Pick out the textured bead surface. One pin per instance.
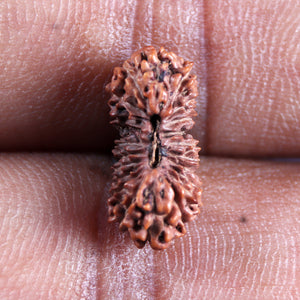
(154, 189)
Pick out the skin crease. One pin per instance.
(55, 242)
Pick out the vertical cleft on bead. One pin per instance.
(155, 149)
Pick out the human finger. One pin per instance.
(56, 242)
(58, 57)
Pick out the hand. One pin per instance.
(55, 242)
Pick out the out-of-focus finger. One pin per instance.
(58, 56)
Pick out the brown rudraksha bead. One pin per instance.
(155, 188)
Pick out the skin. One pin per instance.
(55, 242)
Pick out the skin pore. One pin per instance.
(56, 58)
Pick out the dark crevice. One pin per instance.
(179, 228)
(155, 121)
(155, 149)
(162, 76)
(144, 56)
(161, 237)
